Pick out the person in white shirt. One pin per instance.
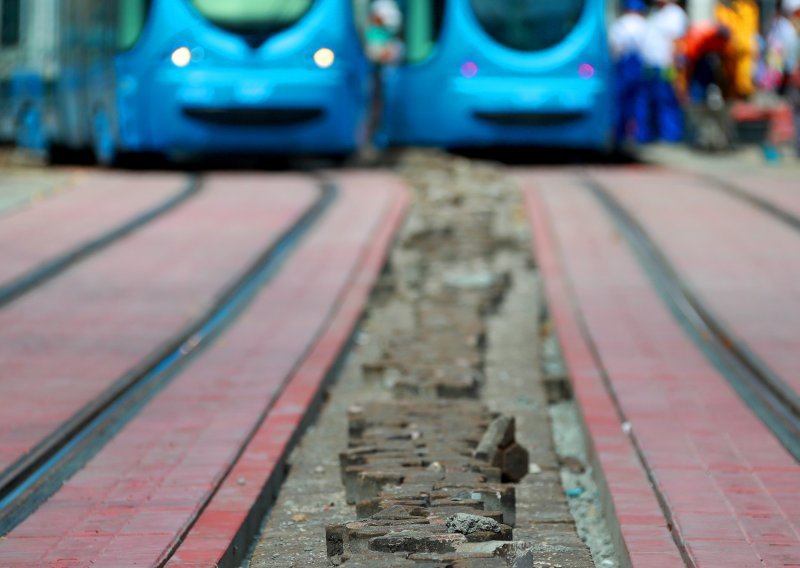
(626, 37)
(662, 118)
(782, 50)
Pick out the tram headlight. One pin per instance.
(181, 57)
(324, 58)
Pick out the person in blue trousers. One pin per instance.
(626, 37)
(660, 116)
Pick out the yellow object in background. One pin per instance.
(741, 18)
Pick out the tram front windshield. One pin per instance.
(253, 16)
(528, 25)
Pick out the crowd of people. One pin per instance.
(665, 65)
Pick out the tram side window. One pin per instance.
(423, 26)
(361, 14)
(10, 23)
(131, 20)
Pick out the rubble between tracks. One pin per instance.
(420, 485)
(433, 471)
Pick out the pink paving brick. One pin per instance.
(741, 262)
(95, 205)
(713, 463)
(156, 476)
(69, 340)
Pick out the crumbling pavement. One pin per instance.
(428, 475)
(432, 473)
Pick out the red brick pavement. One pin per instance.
(97, 204)
(262, 463)
(69, 340)
(730, 490)
(742, 263)
(132, 503)
(644, 533)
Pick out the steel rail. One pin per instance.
(25, 485)
(770, 398)
(729, 188)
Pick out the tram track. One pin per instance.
(789, 219)
(34, 478)
(50, 269)
(772, 400)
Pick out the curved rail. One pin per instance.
(785, 217)
(33, 479)
(774, 402)
(45, 272)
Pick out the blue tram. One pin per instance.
(184, 77)
(502, 72)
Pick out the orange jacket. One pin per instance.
(702, 39)
(741, 18)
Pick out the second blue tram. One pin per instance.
(502, 72)
(183, 77)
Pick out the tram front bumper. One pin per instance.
(254, 115)
(507, 111)
(228, 111)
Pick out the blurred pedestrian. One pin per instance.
(707, 62)
(626, 37)
(706, 66)
(782, 50)
(791, 9)
(741, 17)
(384, 45)
(661, 116)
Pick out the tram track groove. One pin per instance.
(39, 474)
(767, 395)
(50, 269)
(765, 205)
